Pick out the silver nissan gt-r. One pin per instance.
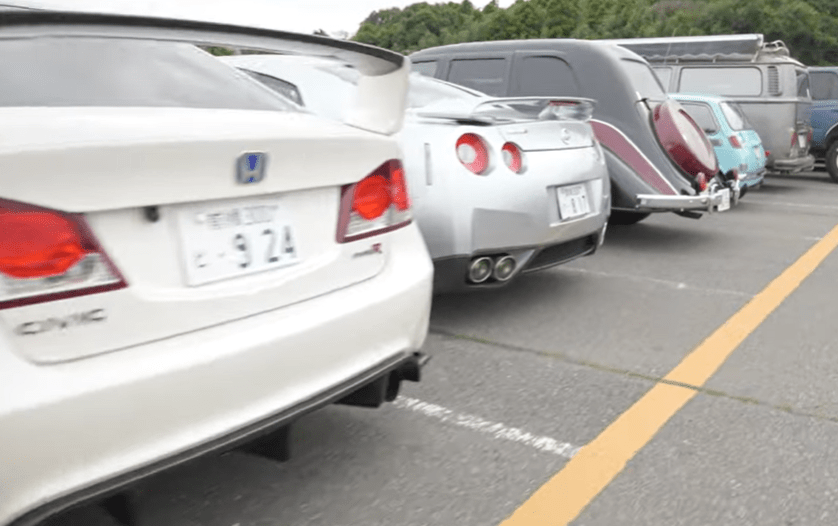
(500, 186)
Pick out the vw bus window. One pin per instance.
(486, 74)
(722, 81)
(546, 77)
(824, 85)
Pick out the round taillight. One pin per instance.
(372, 197)
(472, 152)
(683, 140)
(512, 157)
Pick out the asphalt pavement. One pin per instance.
(523, 377)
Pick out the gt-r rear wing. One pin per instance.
(380, 99)
(504, 109)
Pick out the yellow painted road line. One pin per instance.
(563, 497)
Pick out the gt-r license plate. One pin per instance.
(573, 201)
(725, 204)
(229, 239)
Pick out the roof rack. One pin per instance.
(713, 48)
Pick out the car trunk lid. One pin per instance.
(159, 190)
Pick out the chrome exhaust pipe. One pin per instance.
(504, 268)
(480, 269)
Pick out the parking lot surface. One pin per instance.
(522, 379)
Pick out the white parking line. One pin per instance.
(497, 430)
(674, 284)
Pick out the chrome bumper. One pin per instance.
(799, 164)
(753, 178)
(707, 201)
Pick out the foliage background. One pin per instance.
(808, 27)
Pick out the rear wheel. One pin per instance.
(832, 161)
(620, 217)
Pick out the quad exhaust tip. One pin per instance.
(504, 268)
(480, 269)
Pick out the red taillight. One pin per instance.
(734, 141)
(37, 244)
(513, 157)
(378, 203)
(767, 153)
(684, 140)
(371, 197)
(398, 187)
(701, 179)
(809, 136)
(472, 152)
(46, 255)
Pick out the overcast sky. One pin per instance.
(304, 16)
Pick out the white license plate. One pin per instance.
(801, 141)
(757, 152)
(573, 201)
(235, 238)
(725, 204)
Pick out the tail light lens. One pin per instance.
(683, 140)
(513, 157)
(701, 180)
(47, 255)
(377, 204)
(473, 153)
(734, 141)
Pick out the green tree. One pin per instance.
(808, 27)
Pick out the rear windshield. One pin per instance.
(702, 115)
(730, 81)
(424, 91)
(644, 80)
(734, 115)
(122, 73)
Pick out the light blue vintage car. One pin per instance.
(734, 140)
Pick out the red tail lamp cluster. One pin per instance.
(473, 153)
(377, 204)
(47, 255)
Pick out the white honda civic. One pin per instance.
(188, 262)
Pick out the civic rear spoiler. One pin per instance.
(380, 100)
(513, 109)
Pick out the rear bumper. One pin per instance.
(450, 274)
(800, 164)
(126, 415)
(708, 201)
(752, 179)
